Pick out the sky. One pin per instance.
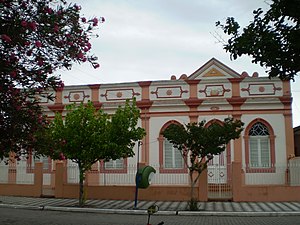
(145, 40)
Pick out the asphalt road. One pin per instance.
(9, 216)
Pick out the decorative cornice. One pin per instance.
(286, 100)
(193, 102)
(144, 104)
(56, 108)
(193, 81)
(97, 105)
(236, 101)
(94, 86)
(236, 80)
(145, 83)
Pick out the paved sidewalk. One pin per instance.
(166, 208)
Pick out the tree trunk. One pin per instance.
(192, 185)
(193, 205)
(81, 191)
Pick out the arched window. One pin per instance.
(260, 148)
(259, 142)
(170, 158)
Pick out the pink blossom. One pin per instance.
(38, 44)
(28, 53)
(13, 74)
(5, 38)
(24, 5)
(24, 23)
(26, 43)
(80, 55)
(13, 57)
(32, 25)
(48, 10)
(56, 28)
(83, 19)
(96, 65)
(40, 62)
(102, 19)
(77, 7)
(62, 157)
(40, 119)
(50, 70)
(95, 22)
(60, 85)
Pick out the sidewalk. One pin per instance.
(165, 208)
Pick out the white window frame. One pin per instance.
(114, 164)
(173, 157)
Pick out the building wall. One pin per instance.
(214, 91)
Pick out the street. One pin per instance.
(9, 216)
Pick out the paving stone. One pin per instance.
(236, 207)
(246, 207)
(292, 206)
(265, 207)
(209, 206)
(282, 206)
(227, 207)
(163, 206)
(273, 206)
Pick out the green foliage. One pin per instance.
(86, 136)
(271, 39)
(199, 143)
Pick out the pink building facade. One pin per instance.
(259, 166)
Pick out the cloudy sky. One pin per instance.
(154, 39)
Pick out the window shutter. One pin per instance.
(265, 152)
(172, 156)
(178, 158)
(254, 161)
(168, 156)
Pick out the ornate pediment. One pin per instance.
(213, 69)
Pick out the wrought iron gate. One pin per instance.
(219, 177)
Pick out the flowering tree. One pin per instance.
(86, 136)
(37, 37)
(198, 144)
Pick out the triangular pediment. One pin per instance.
(213, 69)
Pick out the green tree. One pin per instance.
(271, 39)
(198, 144)
(37, 38)
(86, 136)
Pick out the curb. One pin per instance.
(95, 210)
(144, 212)
(21, 206)
(239, 214)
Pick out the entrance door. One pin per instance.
(48, 176)
(219, 178)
